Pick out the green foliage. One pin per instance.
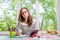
(49, 17)
(13, 4)
(8, 20)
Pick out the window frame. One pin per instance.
(57, 15)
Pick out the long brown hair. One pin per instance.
(21, 18)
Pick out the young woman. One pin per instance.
(26, 23)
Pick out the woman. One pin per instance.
(26, 23)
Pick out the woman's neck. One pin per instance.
(25, 20)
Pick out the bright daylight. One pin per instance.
(30, 18)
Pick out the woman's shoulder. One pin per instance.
(17, 22)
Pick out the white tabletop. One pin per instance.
(53, 37)
(42, 37)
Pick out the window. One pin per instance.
(8, 14)
(49, 16)
(47, 13)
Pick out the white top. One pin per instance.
(27, 30)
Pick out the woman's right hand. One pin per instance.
(18, 34)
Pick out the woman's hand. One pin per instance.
(18, 34)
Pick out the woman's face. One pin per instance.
(25, 13)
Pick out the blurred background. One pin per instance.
(47, 12)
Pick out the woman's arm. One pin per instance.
(18, 29)
(36, 25)
(36, 29)
(34, 33)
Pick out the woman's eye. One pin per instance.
(25, 12)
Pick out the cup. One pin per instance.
(11, 33)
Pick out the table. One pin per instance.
(42, 37)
